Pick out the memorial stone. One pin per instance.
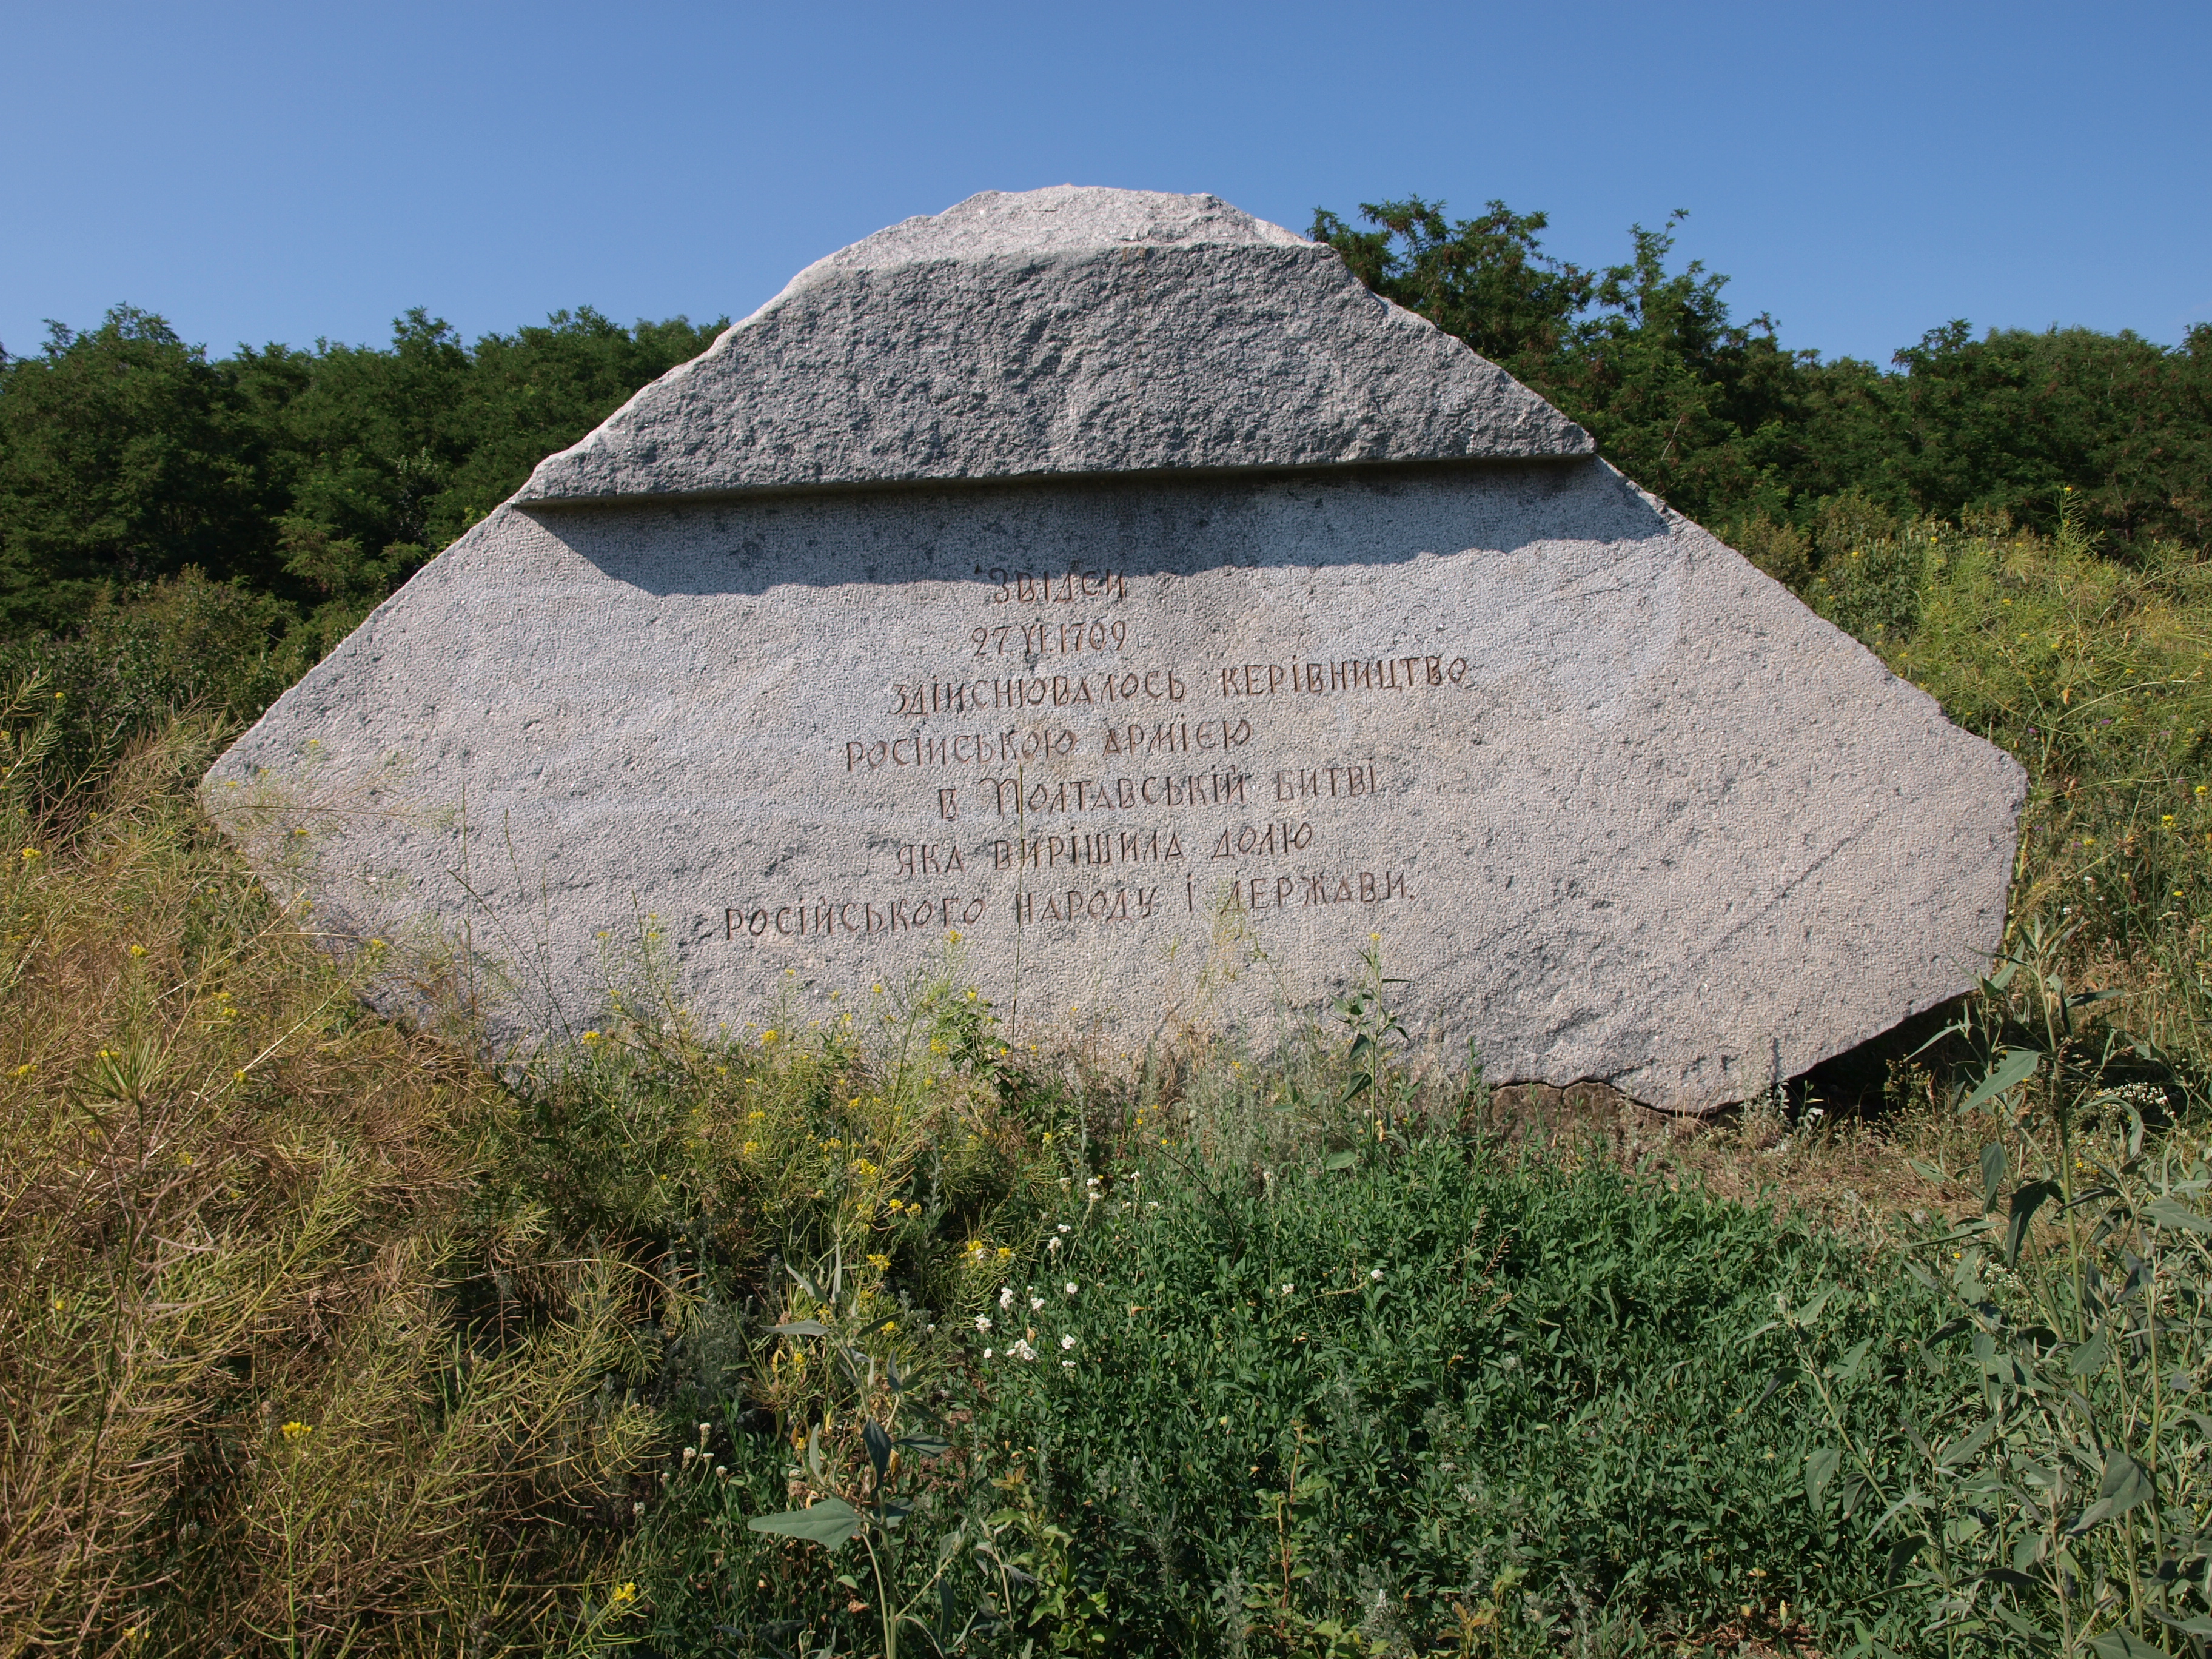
(1106, 587)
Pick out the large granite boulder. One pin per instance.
(1107, 586)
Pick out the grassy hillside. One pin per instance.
(315, 1338)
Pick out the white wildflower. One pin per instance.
(1374, 1275)
(1006, 1297)
(1066, 1343)
(1065, 1228)
(982, 1321)
(1021, 1351)
(1069, 1287)
(1052, 1245)
(1289, 1289)
(1036, 1302)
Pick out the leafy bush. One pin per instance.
(2048, 1493)
(1419, 1389)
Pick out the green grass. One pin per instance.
(1376, 1401)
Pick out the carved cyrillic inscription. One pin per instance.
(1271, 679)
(919, 698)
(1031, 640)
(960, 748)
(1305, 888)
(1097, 904)
(1281, 836)
(1067, 587)
(1325, 782)
(1177, 737)
(1114, 795)
(1097, 848)
(820, 918)
(1017, 776)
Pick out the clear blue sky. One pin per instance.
(1863, 171)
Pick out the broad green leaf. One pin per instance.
(2119, 1643)
(1339, 1160)
(2089, 1518)
(879, 1448)
(1994, 1171)
(1959, 1450)
(2090, 1357)
(803, 1327)
(925, 1445)
(1811, 1311)
(828, 1522)
(2126, 1483)
(1900, 1556)
(2027, 1199)
(1914, 1499)
(2016, 1067)
(2166, 1213)
(1819, 1469)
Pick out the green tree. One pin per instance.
(390, 455)
(1486, 280)
(1727, 425)
(2007, 421)
(124, 456)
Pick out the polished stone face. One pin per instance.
(1152, 749)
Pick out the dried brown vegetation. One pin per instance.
(255, 1392)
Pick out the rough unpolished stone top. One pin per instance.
(1059, 332)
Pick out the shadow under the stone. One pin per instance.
(1051, 530)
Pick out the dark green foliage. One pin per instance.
(1361, 1395)
(1486, 280)
(390, 455)
(124, 456)
(1440, 1383)
(321, 477)
(187, 643)
(1722, 421)
(2006, 422)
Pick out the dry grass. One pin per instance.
(252, 1400)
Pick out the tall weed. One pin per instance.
(245, 1406)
